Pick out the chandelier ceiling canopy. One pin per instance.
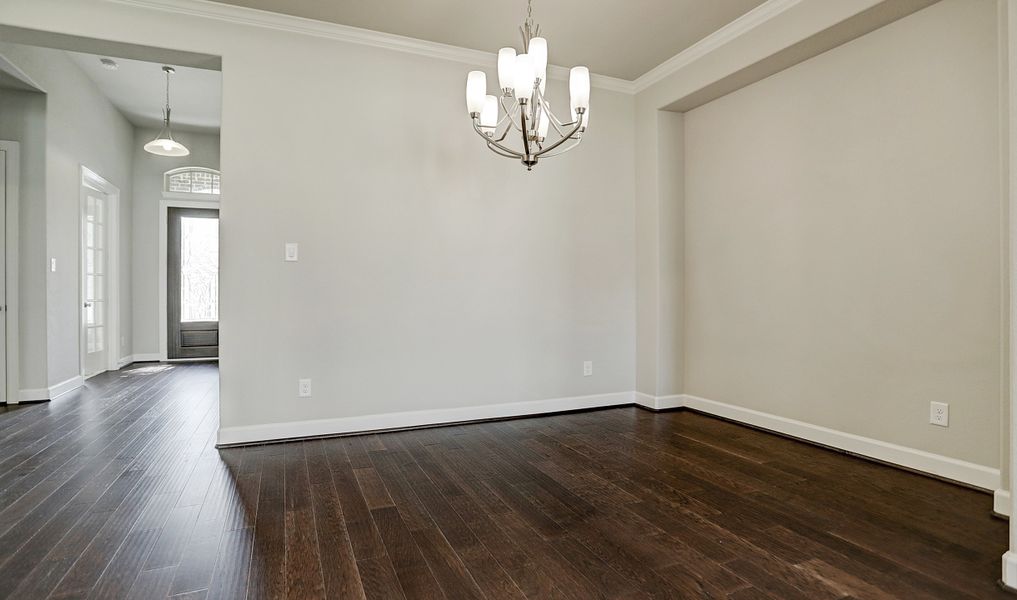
(520, 109)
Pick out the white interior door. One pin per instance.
(95, 331)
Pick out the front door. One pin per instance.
(94, 212)
(192, 283)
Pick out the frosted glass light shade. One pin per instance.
(524, 76)
(476, 91)
(579, 87)
(489, 116)
(542, 124)
(507, 68)
(538, 50)
(165, 145)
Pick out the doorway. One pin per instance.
(99, 311)
(192, 283)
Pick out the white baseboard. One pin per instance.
(346, 425)
(659, 402)
(1001, 502)
(973, 474)
(32, 395)
(55, 391)
(1010, 570)
(52, 392)
(133, 358)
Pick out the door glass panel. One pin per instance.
(199, 269)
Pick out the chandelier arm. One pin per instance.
(494, 149)
(491, 142)
(567, 148)
(575, 130)
(510, 114)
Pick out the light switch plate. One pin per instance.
(588, 368)
(52, 265)
(292, 252)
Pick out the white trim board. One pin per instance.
(737, 28)
(52, 392)
(136, 358)
(1010, 571)
(355, 35)
(361, 424)
(980, 476)
(1001, 502)
(941, 466)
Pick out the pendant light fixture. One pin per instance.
(164, 144)
(524, 111)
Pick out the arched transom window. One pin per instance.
(192, 181)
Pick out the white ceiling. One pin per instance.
(138, 90)
(619, 38)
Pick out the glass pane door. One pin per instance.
(94, 281)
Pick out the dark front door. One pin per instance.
(192, 283)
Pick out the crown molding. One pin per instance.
(726, 34)
(291, 24)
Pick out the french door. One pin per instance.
(192, 283)
(94, 281)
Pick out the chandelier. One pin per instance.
(522, 110)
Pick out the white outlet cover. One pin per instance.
(304, 388)
(588, 368)
(939, 414)
(292, 252)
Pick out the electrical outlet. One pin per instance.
(588, 368)
(939, 414)
(304, 388)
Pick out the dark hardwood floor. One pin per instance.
(118, 492)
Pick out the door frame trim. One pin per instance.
(164, 205)
(92, 180)
(12, 229)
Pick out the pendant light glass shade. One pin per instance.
(476, 91)
(489, 116)
(538, 50)
(507, 68)
(164, 144)
(524, 77)
(579, 87)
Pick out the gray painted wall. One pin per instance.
(843, 237)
